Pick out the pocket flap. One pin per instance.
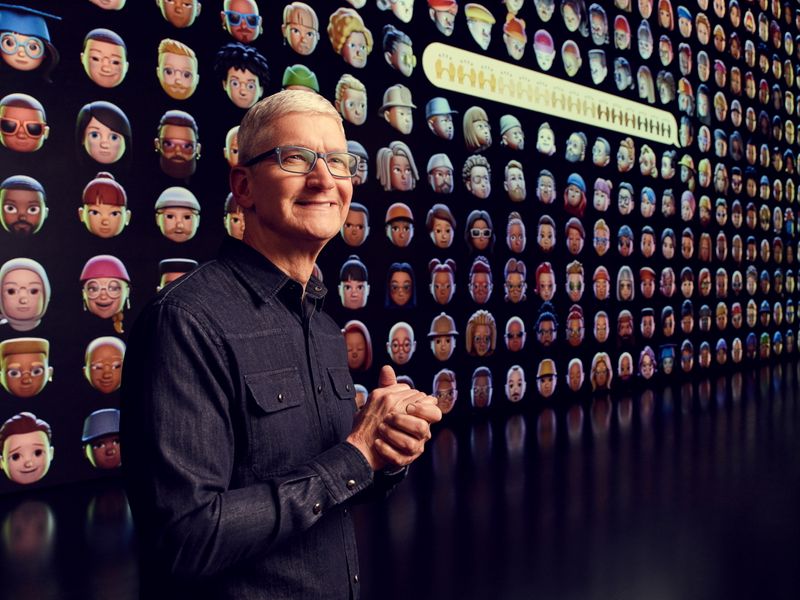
(342, 383)
(275, 390)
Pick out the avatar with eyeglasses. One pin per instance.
(243, 73)
(481, 389)
(25, 40)
(575, 327)
(24, 366)
(479, 231)
(177, 69)
(401, 344)
(481, 334)
(515, 334)
(241, 20)
(515, 274)
(601, 373)
(445, 390)
(177, 144)
(105, 57)
(23, 124)
(106, 288)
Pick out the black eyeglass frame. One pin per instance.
(277, 150)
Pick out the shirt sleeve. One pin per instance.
(180, 439)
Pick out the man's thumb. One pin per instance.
(386, 376)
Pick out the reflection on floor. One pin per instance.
(688, 492)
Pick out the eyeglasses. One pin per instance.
(234, 18)
(18, 373)
(10, 126)
(301, 161)
(444, 394)
(169, 72)
(93, 289)
(405, 346)
(397, 287)
(9, 43)
(484, 233)
(480, 338)
(185, 146)
(515, 335)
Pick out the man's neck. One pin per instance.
(294, 258)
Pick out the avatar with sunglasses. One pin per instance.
(23, 124)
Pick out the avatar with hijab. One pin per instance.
(24, 294)
(23, 205)
(25, 39)
(350, 37)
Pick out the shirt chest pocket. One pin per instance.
(278, 427)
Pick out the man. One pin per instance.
(514, 181)
(24, 209)
(477, 176)
(25, 442)
(243, 73)
(356, 225)
(177, 69)
(439, 116)
(445, 390)
(177, 214)
(24, 123)
(440, 173)
(181, 13)
(104, 57)
(236, 379)
(177, 144)
(442, 336)
(398, 51)
(24, 366)
(443, 14)
(396, 108)
(515, 383)
(241, 20)
(101, 439)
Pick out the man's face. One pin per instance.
(104, 368)
(104, 220)
(601, 240)
(575, 286)
(401, 346)
(297, 209)
(515, 336)
(445, 394)
(402, 58)
(241, 20)
(546, 332)
(481, 391)
(624, 327)
(105, 63)
(574, 331)
(23, 210)
(178, 223)
(514, 46)
(544, 57)
(26, 456)
(481, 32)
(243, 87)
(441, 180)
(545, 141)
(546, 383)
(480, 287)
(515, 184)
(445, 21)
(442, 287)
(648, 287)
(478, 182)
(23, 295)
(575, 377)
(401, 232)
(105, 452)
(442, 233)
(601, 288)
(600, 154)
(25, 374)
(515, 287)
(515, 385)
(22, 129)
(400, 118)
(601, 328)
(180, 13)
(177, 74)
(514, 138)
(574, 241)
(178, 146)
(354, 230)
(648, 326)
(443, 346)
(442, 125)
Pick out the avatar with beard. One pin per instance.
(177, 144)
(24, 207)
(177, 69)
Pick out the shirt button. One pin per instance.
(351, 484)
(317, 288)
(347, 387)
(319, 389)
(280, 397)
(355, 578)
(317, 508)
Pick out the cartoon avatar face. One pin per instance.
(481, 32)
(479, 183)
(25, 374)
(481, 340)
(401, 344)
(514, 138)
(177, 71)
(400, 232)
(356, 349)
(241, 19)
(180, 13)
(22, 128)
(515, 336)
(355, 228)
(24, 211)
(515, 384)
(401, 175)
(109, 4)
(21, 52)
(545, 142)
(442, 286)
(243, 87)
(515, 238)
(26, 456)
(353, 105)
(353, 293)
(443, 346)
(105, 62)
(546, 286)
(354, 52)
(402, 9)
(178, 223)
(104, 220)
(545, 237)
(575, 376)
(442, 125)
(300, 28)
(445, 20)
(400, 288)
(480, 234)
(103, 367)
(104, 296)
(441, 232)
(514, 184)
(23, 296)
(441, 180)
(105, 452)
(546, 382)
(402, 58)
(400, 118)
(102, 143)
(179, 150)
(601, 327)
(231, 150)
(480, 287)
(234, 224)
(446, 394)
(481, 391)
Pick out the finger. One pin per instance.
(410, 425)
(390, 456)
(431, 413)
(404, 443)
(387, 376)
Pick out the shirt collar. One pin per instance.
(261, 276)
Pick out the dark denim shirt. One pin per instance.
(236, 403)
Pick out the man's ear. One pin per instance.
(240, 187)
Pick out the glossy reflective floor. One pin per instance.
(685, 492)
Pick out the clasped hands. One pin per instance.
(393, 426)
